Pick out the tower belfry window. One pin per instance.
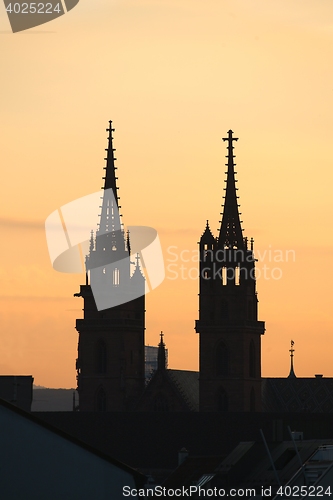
(224, 275)
(116, 277)
(237, 275)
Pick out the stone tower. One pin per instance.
(110, 363)
(230, 333)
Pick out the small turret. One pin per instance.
(161, 357)
(207, 237)
(292, 350)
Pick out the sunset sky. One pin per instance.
(174, 76)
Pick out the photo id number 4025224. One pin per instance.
(303, 491)
(33, 8)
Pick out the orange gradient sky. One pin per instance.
(173, 76)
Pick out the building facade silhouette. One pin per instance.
(110, 363)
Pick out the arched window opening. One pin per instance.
(237, 275)
(101, 357)
(101, 400)
(252, 400)
(222, 360)
(224, 276)
(222, 400)
(161, 403)
(252, 360)
(116, 277)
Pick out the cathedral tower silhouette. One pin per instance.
(110, 363)
(230, 333)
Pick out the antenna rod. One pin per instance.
(270, 458)
(298, 456)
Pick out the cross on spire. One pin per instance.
(230, 139)
(161, 357)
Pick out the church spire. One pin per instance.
(110, 168)
(110, 227)
(292, 350)
(110, 218)
(230, 232)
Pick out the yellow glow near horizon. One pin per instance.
(173, 76)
